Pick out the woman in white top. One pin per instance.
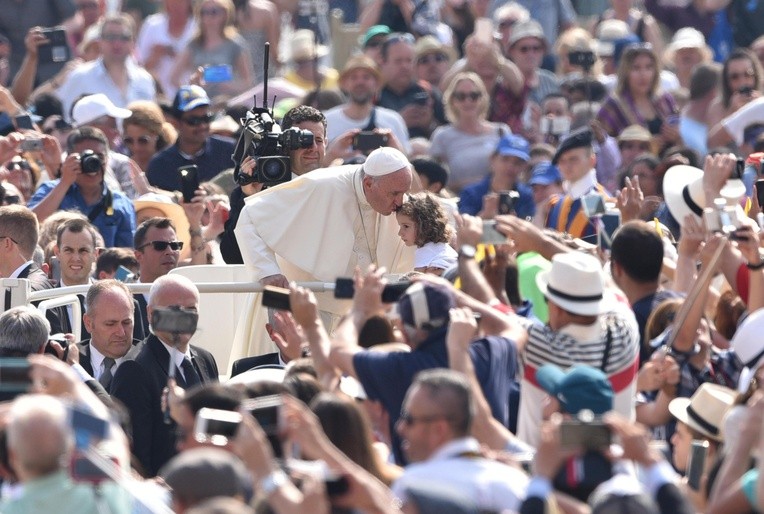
(466, 144)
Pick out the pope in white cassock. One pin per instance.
(323, 224)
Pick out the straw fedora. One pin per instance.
(170, 210)
(683, 191)
(575, 283)
(303, 46)
(705, 411)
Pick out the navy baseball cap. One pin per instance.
(190, 97)
(513, 145)
(544, 173)
(581, 387)
(426, 306)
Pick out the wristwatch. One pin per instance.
(467, 251)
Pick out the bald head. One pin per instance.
(173, 291)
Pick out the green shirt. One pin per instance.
(529, 265)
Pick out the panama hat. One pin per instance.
(705, 411)
(576, 283)
(683, 191)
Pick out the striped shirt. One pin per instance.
(619, 111)
(580, 344)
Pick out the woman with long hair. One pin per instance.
(217, 43)
(742, 77)
(145, 132)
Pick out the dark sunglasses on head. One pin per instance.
(161, 246)
(142, 140)
(195, 121)
(472, 95)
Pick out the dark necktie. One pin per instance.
(106, 376)
(189, 373)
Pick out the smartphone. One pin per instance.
(216, 426)
(87, 428)
(491, 235)
(23, 121)
(83, 470)
(57, 48)
(14, 375)
(174, 320)
(484, 30)
(593, 205)
(611, 220)
(276, 298)
(696, 463)
(55, 269)
(268, 411)
(345, 288)
(336, 485)
(556, 126)
(369, 140)
(747, 90)
(124, 275)
(189, 181)
(31, 145)
(218, 73)
(6, 124)
(508, 201)
(592, 435)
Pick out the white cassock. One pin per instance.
(315, 228)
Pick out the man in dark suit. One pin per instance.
(138, 383)
(284, 332)
(109, 321)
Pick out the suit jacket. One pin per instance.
(247, 363)
(84, 348)
(138, 383)
(141, 327)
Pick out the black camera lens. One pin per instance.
(90, 163)
(273, 170)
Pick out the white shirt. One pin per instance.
(69, 307)
(91, 77)
(492, 485)
(96, 362)
(155, 32)
(337, 123)
(21, 268)
(177, 357)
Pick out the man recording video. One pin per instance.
(302, 161)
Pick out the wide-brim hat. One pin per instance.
(635, 133)
(705, 411)
(749, 345)
(431, 45)
(687, 37)
(303, 46)
(524, 29)
(608, 32)
(170, 210)
(683, 192)
(361, 62)
(576, 283)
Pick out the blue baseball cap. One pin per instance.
(582, 387)
(190, 97)
(544, 173)
(513, 145)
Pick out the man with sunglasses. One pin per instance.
(81, 187)
(191, 116)
(114, 74)
(433, 59)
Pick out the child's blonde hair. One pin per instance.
(430, 219)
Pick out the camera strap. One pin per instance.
(606, 352)
(107, 202)
(372, 121)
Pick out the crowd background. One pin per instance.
(586, 172)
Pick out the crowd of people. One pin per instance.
(543, 219)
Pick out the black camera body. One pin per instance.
(263, 140)
(91, 163)
(583, 58)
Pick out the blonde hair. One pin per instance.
(574, 39)
(477, 82)
(228, 30)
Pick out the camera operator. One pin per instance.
(81, 187)
(302, 161)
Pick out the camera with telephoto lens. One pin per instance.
(583, 58)
(90, 162)
(722, 218)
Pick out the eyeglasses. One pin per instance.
(409, 420)
(211, 12)
(427, 59)
(142, 140)
(161, 246)
(9, 237)
(195, 121)
(460, 96)
(117, 37)
(530, 48)
(745, 74)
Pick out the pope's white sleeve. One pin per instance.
(258, 257)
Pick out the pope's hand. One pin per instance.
(275, 280)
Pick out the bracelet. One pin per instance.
(755, 267)
(272, 482)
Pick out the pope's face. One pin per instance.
(385, 194)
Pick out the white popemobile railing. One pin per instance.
(224, 328)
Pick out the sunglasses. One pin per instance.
(117, 37)
(409, 420)
(195, 121)
(161, 246)
(427, 59)
(472, 95)
(142, 140)
(211, 12)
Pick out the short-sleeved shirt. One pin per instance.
(391, 100)
(227, 52)
(214, 158)
(642, 309)
(471, 199)
(117, 227)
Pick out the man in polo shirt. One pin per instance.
(508, 162)
(195, 145)
(82, 187)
